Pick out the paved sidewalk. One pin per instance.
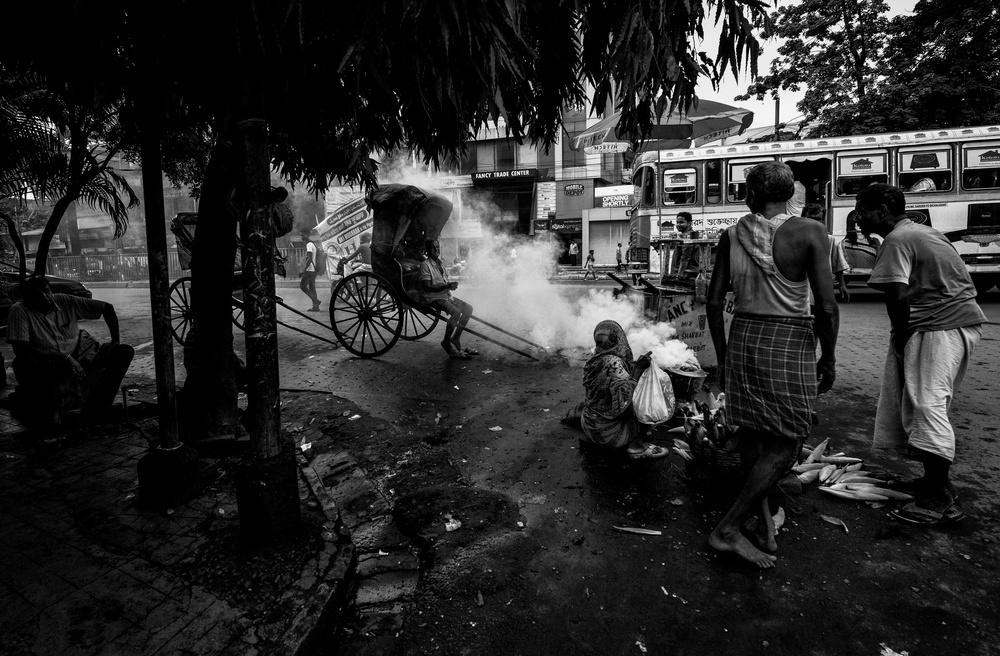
(88, 571)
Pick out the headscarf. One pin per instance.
(607, 376)
(756, 235)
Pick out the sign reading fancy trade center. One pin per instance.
(504, 176)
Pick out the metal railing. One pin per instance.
(125, 266)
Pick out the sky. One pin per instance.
(763, 110)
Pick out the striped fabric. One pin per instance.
(771, 374)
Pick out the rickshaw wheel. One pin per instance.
(180, 309)
(417, 325)
(365, 315)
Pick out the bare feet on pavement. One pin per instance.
(740, 546)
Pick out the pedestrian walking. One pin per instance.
(768, 369)
(936, 324)
(590, 266)
(309, 272)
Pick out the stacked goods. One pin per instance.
(711, 442)
(843, 476)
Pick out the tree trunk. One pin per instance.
(209, 400)
(42, 252)
(72, 231)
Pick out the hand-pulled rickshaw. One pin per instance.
(369, 310)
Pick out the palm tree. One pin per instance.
(58, 149)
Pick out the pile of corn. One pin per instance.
(843, 476)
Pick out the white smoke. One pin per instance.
(507, 283)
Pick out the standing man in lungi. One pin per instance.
(768, 368)
(936, 324)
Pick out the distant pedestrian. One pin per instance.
(838, 263)
(363, 254)
(590, 266)
(574, 252)
(618, 259)
(308, 282)
(936, 324)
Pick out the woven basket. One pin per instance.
(718, 461)
(715, 460)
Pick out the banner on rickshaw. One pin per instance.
(345, 223)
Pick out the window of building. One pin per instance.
(505, 154)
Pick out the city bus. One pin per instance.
(951, 179)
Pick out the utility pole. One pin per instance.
(777, 112)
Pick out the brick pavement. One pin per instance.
(88, 571)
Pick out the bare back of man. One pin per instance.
(798, 250)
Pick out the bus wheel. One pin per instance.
(985, 282)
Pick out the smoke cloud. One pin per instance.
(506, 280)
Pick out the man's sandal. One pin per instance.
(911, 513)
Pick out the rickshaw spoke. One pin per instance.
(355, 322)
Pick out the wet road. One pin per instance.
(565, 581)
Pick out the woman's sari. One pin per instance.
(607, 417)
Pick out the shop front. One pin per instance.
(606, 224)
(573, 197)
(511, 196)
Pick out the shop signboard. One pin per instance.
(486, 177)
(541, 225)
(690, 318)
(574, 189)
(470, 229)
(566, 225)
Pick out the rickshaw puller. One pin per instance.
(435, 291)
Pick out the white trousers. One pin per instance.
(917, 391)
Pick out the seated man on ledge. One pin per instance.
(435, 291)
(59, 367)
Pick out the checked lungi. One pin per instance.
(771, 374)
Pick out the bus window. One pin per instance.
(925, 170)
(855, 171)
(981, 166)
(679, 186)
(645, 181)
(981, 179)
(737, 192)
(713, 181)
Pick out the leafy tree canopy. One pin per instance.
(345, 80)
(862, 73)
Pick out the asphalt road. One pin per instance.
(552, 574)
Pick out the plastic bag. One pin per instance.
(653, 398)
